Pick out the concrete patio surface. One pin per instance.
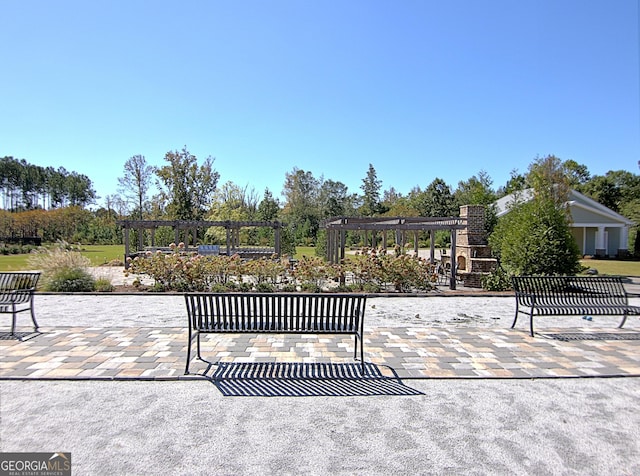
(449, 389)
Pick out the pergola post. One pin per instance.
(126, 246)
(331, 246)
(454, 264)
(276, 239)
(399, 240)
(140, 239)
(432, 245)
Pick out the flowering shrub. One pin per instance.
(374, 270)
(369, 270)
(266, 271)
(223, 270)
(311, 272)
(366, 269)
(407, 273)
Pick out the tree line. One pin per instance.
(28, 187)
(187, 188)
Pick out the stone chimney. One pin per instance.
(473, 255)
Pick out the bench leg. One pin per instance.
(624, 319)
(198, 349)
(189, 342)
(14, 317)
(360, 340)
(515, 319)
(531, 323)
(33, 318)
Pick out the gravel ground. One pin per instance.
(462, 427)
(442, 308)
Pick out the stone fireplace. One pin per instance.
(473, 255)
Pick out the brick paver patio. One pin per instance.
(404, 352)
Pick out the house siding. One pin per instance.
(580, 215)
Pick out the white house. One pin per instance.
(598, 230)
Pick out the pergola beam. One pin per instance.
(191, 227)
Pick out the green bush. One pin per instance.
(16, 249)
(310, 288)
(103, 285)
(71, 280)
(497, 280)
(534, 238)
(265, 288)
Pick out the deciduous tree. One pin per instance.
(186, 186)
(136, 181)
(301, 191)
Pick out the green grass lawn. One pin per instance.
(304, 251)
(613, 267)
(101, 254)
(97, 254)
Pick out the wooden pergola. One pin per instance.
(371, 227)
(190, 228)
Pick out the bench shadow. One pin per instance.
(19, 336)
(576, 336)
(288, 379)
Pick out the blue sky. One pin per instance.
(421, 89)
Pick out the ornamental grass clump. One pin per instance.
(62, 270)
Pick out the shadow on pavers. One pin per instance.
(598, 336)
(286, 379)
(21, 336)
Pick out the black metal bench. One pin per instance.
(571, 296)
(277, 313)
(207, 250)
(16, 295)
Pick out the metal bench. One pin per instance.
(571, 296)
(209, 250)
(16, 295)
(277, 313)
